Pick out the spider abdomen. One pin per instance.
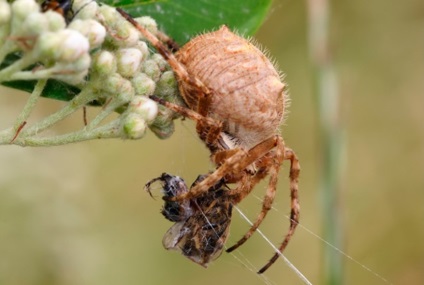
(248, 93)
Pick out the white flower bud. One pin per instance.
(73, 45)
(55, 21)
(142, 46)
(129, 61)
(34, 24)
(73, 79)
(48, 46)
(5, 12)
(104, 62)
(91, 29)
(125, 34)
(22, 8)
(64, 45)
(149, 23)
(143, 84)
(109, 13)
(133, 126)
(145, 107)
(85, 9)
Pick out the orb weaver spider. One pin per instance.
(237, 99)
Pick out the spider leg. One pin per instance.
(184, 79)
(273, 169)
(295, 208)
(194, 92)
(234, 164)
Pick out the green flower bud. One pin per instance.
(143, 84)
(133, 126)
(104, 62)
(48, 46)
(118, 87)
(161, 62)
(162, 126)
(167, 86)
(151, 68)
(55, 21)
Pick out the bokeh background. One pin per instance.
(77, 214)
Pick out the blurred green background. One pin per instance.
(77, 214)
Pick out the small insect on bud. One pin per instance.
(104, 62)
(133, 126)
(129, 61)
(143, 84)
(91, 29)
(145, 107)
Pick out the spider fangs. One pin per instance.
(237, 99)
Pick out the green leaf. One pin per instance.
(183, 19)
(54, 89)
(180, 19)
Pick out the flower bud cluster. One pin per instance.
(97, 51)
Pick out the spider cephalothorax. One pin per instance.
(237, 99)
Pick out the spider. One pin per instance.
(202, 224)
(237, 99)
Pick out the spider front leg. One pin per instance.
(238, 160)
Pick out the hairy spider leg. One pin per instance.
(191, 84)
(295, 207)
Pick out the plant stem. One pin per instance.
(30, 104)
(20, 64)
(110, 130)
(78, 102)
(331, 136)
